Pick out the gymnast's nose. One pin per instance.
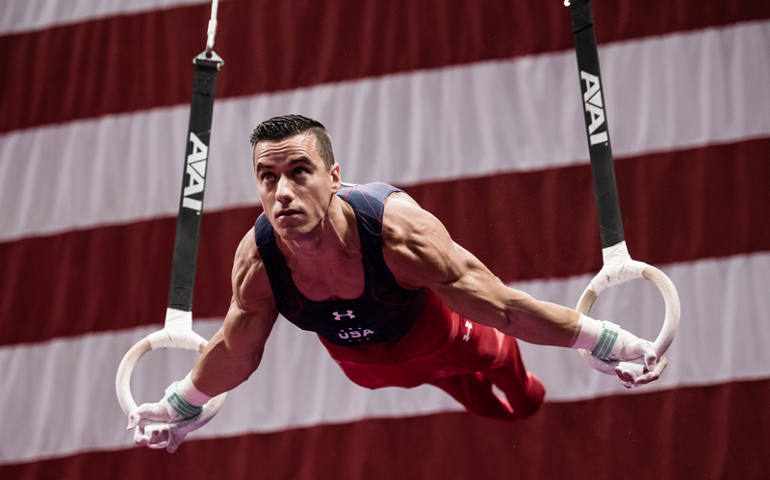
(283, 191)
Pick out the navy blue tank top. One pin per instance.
(383, 312)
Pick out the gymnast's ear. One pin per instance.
(335, 175)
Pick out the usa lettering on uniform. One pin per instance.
(355, 333)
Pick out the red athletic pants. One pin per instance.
(460, 356)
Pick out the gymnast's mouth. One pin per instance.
(287, 212)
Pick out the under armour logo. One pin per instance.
(467, 336)
(349, 314)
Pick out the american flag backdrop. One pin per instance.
(472, 106)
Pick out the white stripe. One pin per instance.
(23, 15)
(674, 92)
(58, 397)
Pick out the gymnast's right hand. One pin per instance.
(164, 424)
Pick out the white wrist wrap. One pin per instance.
(590, 331)
(191, 395)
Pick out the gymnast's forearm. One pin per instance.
(235, 351)
(221, 368)
(547, 323)
(540, 322)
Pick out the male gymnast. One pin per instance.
(395, 301)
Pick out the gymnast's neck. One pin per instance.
(333, 239)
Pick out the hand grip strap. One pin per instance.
(596, 124)
(188, 222)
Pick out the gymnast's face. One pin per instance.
(295, 185)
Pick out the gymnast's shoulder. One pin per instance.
(250, 282)
(416, 246)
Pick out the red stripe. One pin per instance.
(705, 432)
(677, 206)
(132, 62)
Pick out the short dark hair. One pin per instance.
(280, 128)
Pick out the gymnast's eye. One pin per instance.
(267, 176)
(300, 171)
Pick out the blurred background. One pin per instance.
(474, 107)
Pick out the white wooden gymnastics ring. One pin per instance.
(622, 270)
(178, 338)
